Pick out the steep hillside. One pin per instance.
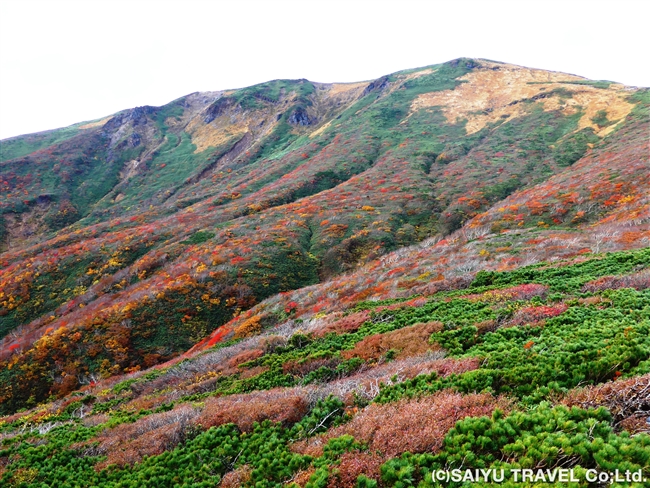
(129, 240)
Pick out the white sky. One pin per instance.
(69, 61)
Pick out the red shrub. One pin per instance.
(529, 315)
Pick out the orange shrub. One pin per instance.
(249, 327)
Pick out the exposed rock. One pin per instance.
(376, 86)
(300, 117)
(137, 116)
(43, 199)
(135, 140)
(218, 108)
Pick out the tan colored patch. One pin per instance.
(333, 98)
(417, 74)
(345, 87)
(205, 136)
(492, 95)
(320, 130)
(97, 123)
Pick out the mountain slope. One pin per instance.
(130, 239)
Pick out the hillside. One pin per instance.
(503, 372)
(246, 284)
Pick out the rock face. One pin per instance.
(216, 109)
(136, 116)
(376, 86)
(300, 117)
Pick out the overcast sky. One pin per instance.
(63, 62)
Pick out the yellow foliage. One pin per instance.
(249, 327)
(626, 199)
(114, 261)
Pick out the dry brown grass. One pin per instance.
(489, 95)
(220, 132)
(96, 419)
(410, 425)
(245, 356)
(638, 281)
(354, 464)
(339, 88)
(148, 436)
(365, 383)
(346, 324)
(407, 341)
(283, 406)
(254, 371)
(301, 478)
(97, 123)
(236, 478)
(628, 400)
(303, 368)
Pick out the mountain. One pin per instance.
(261, 277)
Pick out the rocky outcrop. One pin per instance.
(300, 117)
(136, 116)
(376, 86)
